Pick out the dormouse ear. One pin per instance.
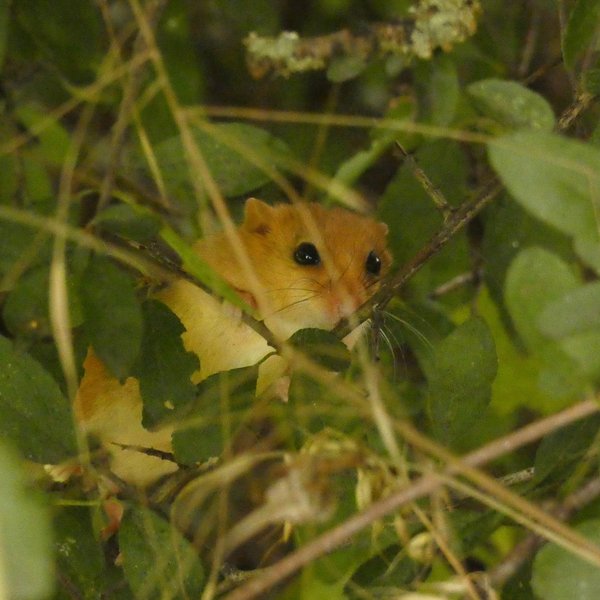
(258, 216)
(383, 228)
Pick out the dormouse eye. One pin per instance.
(373, 264)
(307, 254)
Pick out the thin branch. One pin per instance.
(581, 103)
(531, 40)
(431, 24)
(443, 206)
(54, 115)
(337, 120)
(58, 295)
(455, 283)
(523, 551)
(202, 179)
(503, 500)
(136, 77)
(519, 477)
(463, 215)
(339, 535)
(156, 269)
(563, 20)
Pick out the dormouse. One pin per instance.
(299, 265)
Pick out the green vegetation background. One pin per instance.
(515, 336)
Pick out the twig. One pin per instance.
(67, 585)
(459, 218)
(445, 208)
(523, 551)
(154, 268)
(432, 24)
(339, 535)
(519, 477)
(336, 120)
(541, 71)
(582, 101)
(154, 10)
(563, 20)
(454, 284)
(54, 115)
(168, 456)
(204, 184)
(509, 480)
(175, 270)
(531, 39)
(58, 293)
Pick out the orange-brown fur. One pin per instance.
(289, 296)
(313, 296)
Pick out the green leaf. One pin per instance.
(238, 156)
(164, 366)
(444, 90)
(310, 586)
(508, 229)
(158, 561)
(79, 556)
(460, 384)
(404, 201)
(552, 177)
(581, 27)
(4, 19)
(176, 40)
(323, 347)
(314, 406)
(534, 280)
(390, 568)
(16, 241)
(574, 320)
(472, 527)
(222, 402)
(511, 104)
(559, 452)
(56, 27)
(591, 78)
(9, 175)
(589, 252)
(560, 575)
(575, 312)
(25, 311)
(438, 89)
(26, 535)
(53, 142)
(113, 318)
(197, 267)
(351, 169)
(345, 67)
(517, 383)
(131, 222)
(584, 349)
(34, 415)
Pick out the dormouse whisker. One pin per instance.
(295, 303)
(289, 289)
(388, 343)
(411, 328)
(309, 280)
(347, 266)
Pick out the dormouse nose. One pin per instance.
(346, 297)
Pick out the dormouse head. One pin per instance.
(316, 265)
